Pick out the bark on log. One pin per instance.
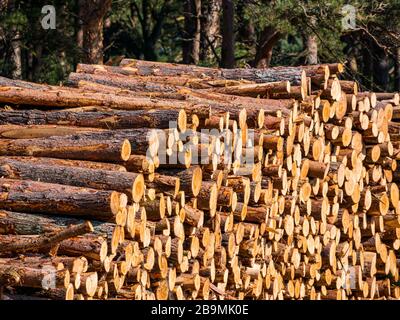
(19, 223)
(33, 278)
(67, 163)
(292, 74)
(107, 120)
(15, 244)
(40, 197)
(13, 131)
(131, 183)
(68, 147)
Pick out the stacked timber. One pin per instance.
(164, 181)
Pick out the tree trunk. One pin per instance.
(269, 38)
(191, 45)
(92, 15)
(16, 55)
(381, 70)
(211, 28)
(79, 24)
(397, 70)
(246, 32)
(228, 38)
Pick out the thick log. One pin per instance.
(255, 90)
(40, 197)
(293, 74)
(67, 163)
(6, 82)
(119, 81)
(129, 182)
(19, 223)
(68, 148)
(14, 131)
(91, 247)
(73, 98)
(42, 278)
(107, 120)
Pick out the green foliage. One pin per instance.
(153, 29)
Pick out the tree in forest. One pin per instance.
(191, 41)
(269, 38)
(228, 35)
(397, 70)
(210, 38)
(92, 14)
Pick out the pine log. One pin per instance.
(34, 278)
(14, 131)
(40, 197)
(68, 148)
(292, 74)
(91, 247)
(255, 90)
(67, 163)
(107, 120)
(131, 183)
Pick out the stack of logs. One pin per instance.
(163, 181)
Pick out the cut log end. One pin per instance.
(138, 188)
(182, 120)
(126, 150)
(197, 178)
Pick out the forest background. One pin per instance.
(364, 35)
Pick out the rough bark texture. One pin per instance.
(292, 74)
(210, 28)
(92, 16)
(33, 278)
(114, 77)
(22, 244)
(107, 120)
(72, 176)
(68, 163)
(19, 223)
(269, 38)
(14, 131)
(29, 196)
(191, 44)
(16, 45)
(67, 148)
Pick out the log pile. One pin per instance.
(163, 181)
